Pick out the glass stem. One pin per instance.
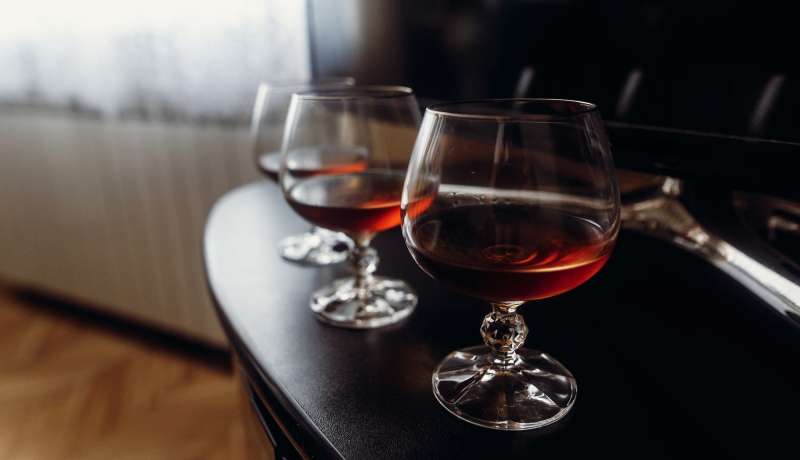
(365, 261)
(504, 331)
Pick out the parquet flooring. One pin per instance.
(71, 390)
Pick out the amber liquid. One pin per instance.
(508, 252)
(312, 161)
(269, 163)
(357, 204)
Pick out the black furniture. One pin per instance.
(690, 363)
(689, 89)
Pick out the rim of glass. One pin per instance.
(356, 92)
(305, 84)
(445, 109)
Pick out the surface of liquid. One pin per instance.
(269, 163)
(508, 252)
(311, 161)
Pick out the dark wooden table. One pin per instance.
(672, 358)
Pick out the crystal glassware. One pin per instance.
(317, 246)
(522, 204)
(380, 123)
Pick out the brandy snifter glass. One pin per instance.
(379, 125)
(521, 204)
(317, 246)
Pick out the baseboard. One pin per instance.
(151, 335)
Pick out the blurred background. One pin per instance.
(119, 127)
(122, 123)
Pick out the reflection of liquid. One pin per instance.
(310, 161)
(362, 203)
(508, 252)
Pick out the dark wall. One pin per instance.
(725, 67)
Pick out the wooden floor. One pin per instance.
(75, 390)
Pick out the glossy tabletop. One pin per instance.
(672, 357)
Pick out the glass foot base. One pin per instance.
(533, 392)
(315, 247)
(387, 302)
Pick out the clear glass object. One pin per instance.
(522, 204)
(377, 124)
(317, 246)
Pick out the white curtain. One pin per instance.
(186, 57)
